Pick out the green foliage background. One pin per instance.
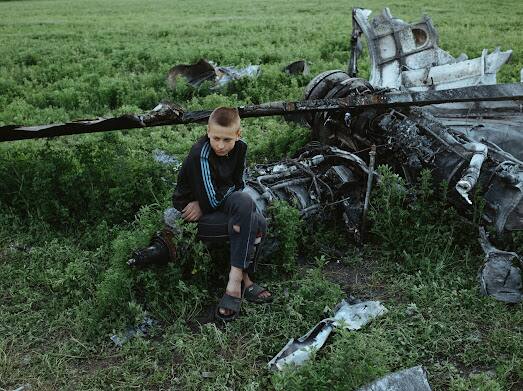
(73, 208)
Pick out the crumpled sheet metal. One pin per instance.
(204, 70)
(349, 317)
(500, 276)
(412, 379)
(504, 197)
(407, 56)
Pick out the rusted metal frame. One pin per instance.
(392, 100)
(496, 92)
(173, 115)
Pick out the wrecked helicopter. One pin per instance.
(424, 108)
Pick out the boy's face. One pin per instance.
(222, 138)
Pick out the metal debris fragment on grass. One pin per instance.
(355, 316)
(412, 379)
(172, 218)
(349, 317)
(164, 158)
(500, 275)
(139, 330)
(300, 67)
(203, 70)
(24, 387)
(412, 309)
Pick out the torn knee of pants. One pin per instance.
(236, 228)
(259, 236)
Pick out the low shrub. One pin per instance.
(79, 181)
(417, 227)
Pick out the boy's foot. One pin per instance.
(233, 290)
(229, 308)
(257, 294)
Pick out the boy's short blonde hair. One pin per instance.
(227, 117)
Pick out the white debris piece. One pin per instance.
(298, 351)
(349, 317)
(355, 316)
(407, 55)
(471, 175)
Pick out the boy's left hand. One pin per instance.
(192, 211)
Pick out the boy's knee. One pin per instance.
(236, 228)
(242, 201)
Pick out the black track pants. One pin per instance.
(238, 209)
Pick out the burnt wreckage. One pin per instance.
(422, 107)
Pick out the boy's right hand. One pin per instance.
(192, 211)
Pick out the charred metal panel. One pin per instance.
(499, 131)
(203, 70)
(419, 138)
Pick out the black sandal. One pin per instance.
(252, 294)
(230, 303)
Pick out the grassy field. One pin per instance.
(72, 209)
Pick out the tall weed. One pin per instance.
(283, 237)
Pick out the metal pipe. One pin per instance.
(370, 177)
(290, 183)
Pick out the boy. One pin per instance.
(209, 191)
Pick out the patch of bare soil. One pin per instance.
(205, 316)
(356, 279)
(95, 364)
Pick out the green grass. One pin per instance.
(71, 209)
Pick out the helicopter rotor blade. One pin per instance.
(170, 114)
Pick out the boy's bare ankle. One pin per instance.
(247, 282)
(235, 275)
(235, 280)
